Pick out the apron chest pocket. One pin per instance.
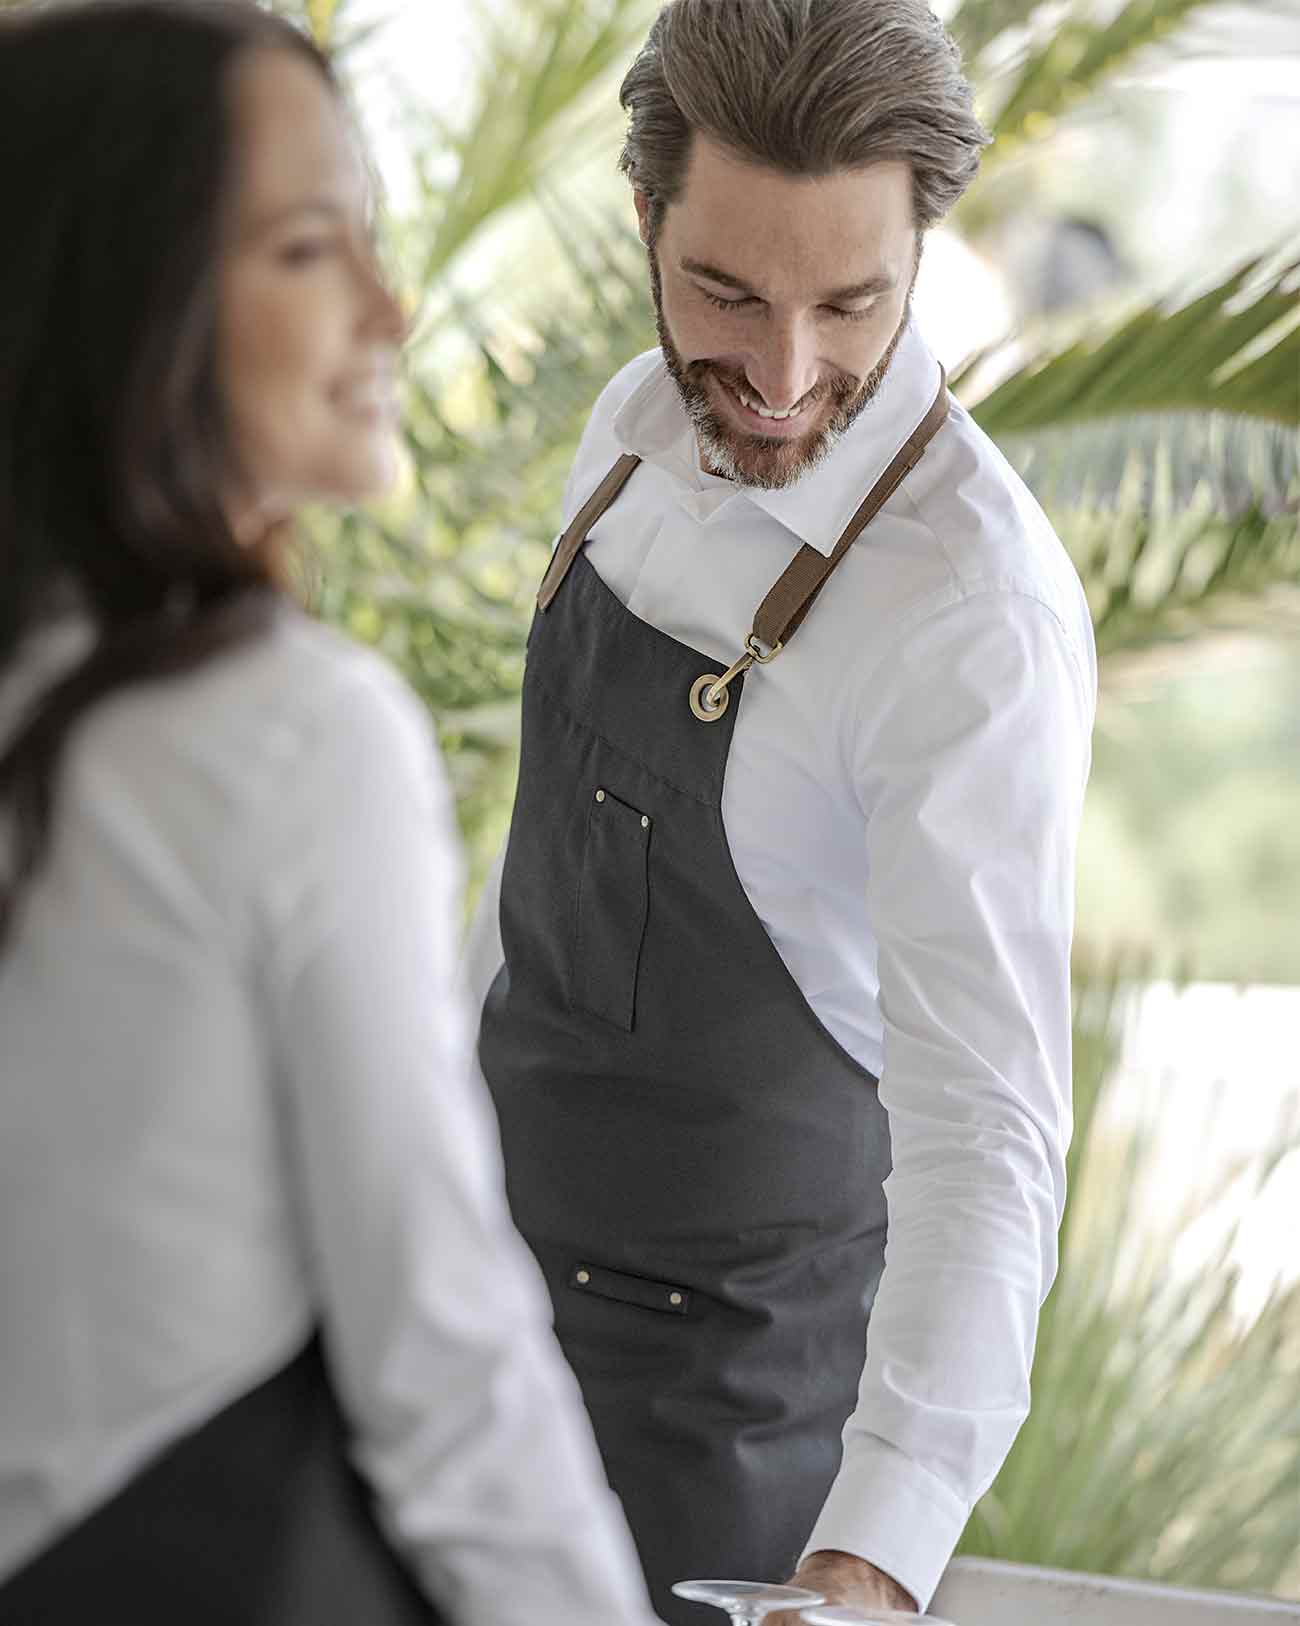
(613, 898)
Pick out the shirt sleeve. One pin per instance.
(467, 1422)
(970, 762)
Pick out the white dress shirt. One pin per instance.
(237, 1099)
(901, 801)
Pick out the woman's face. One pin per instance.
(309, 334)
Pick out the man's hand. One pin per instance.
(841, 1578)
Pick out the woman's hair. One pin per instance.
(809, 87)
(115, 126)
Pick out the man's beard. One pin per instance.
(763, 460)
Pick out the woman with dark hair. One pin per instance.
(252, 1226)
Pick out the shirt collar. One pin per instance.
(652, 424)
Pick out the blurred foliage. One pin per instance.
(1187, 846)
(1162, 1442)
(1063, 59)
(1235, 349)
(1165, 450)
(539, 61)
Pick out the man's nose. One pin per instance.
(784, 368)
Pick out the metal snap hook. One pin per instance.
(709, 694)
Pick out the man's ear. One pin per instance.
(642, 213)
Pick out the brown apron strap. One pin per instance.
(780, 614)
(570, 544)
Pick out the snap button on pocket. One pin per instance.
(625, 1288)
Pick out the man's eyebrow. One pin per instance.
(881, 283)
(698, 268)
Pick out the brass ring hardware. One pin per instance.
(711, 694)
(709, 703)
(700, 691)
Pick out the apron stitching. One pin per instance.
(585, 723)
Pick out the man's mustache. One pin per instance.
(839, 388)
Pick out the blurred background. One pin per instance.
(1116, 300)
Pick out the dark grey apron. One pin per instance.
(254, 1519)
(694, 1159)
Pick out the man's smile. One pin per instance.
(755, 418)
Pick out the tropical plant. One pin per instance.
(1162, 1439)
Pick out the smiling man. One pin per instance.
(776, 976)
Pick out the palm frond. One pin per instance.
(1235, 348)
(488, 446)
(1153, 580)
(1160, 1443)
(1170, 549)
(1065, 60)
(1178, 525)
(537, 374)
(978, 24)
(539, 60)
(1171, 460)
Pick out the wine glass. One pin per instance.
(837, 1614)
(747, 1602)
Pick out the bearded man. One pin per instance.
(776, 978)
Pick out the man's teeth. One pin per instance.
(766, 412)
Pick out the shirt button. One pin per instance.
(674, 1298)
(582, 1278)
(600, 795)
(645, 822)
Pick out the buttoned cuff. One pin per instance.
(894, 1513)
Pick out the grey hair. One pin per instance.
(809, 87)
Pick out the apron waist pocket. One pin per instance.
(665, 1297)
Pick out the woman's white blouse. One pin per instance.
(236, 1099)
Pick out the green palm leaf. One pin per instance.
(1236, 349)
(539, 61)
(1177, 523)
(1171, 459)
(977, 24)
(1062, 65)
(1165, 452)
(1158, 581)
(537, 377)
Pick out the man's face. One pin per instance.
(779, 294)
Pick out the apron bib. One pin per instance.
(695, 1161)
